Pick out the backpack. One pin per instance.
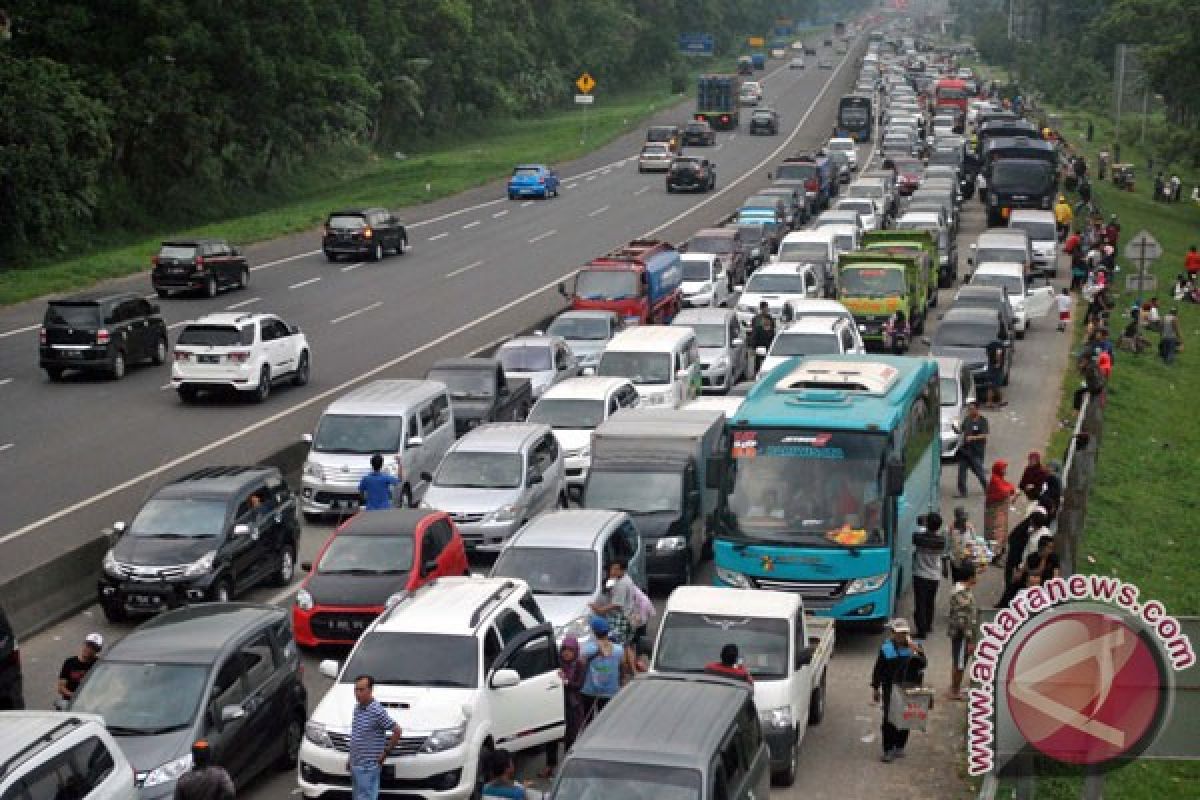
(644, 608)
(961, 617)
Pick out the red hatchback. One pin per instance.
(373, 556)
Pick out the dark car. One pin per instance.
(726, 244)
(755, 244)
(229, 674)
(100, 332)
(987, 297)
(764, 120)
(12, 697)
(208, 535)
(670, 135)
(699, 132)
(375, 556)
(691, 174)
(204, 264)
(966, 333)
(363, 233)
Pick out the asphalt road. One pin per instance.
(77, 455)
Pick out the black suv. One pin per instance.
(204, 264)
(209, 535)
(694, 174)
(100, 332)
(11, 695)
(699, 132)
(764, 120)
(363, 233)
(229, 674)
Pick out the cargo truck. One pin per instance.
(717, 100)
(874, 286)
(641, 281)
(759, 60)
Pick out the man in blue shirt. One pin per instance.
(373, 734)
(376, 487)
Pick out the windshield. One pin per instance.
(600, 284)
(813, 488)
(717, 245)
(752, 235)
(869, 282)
(641, 368)
(465, 383)
(963, 334)
(585, 779)
(142, 699)
(1011, 284)
(550, 570)
(367, 555)
(343, 433)
(571, 413)
(804, 252)
(580, 329)
(415, 659)
(1021, 176)
(216, 335)
(178, 517)
(634, 492)
(774, 283)
(525, 358)
(696, 269)
(795, 172)
(949, 391)
(466, 470)
(804, 344)
(1038, 231)
(688, 641)
(710, 335)
(864, 206)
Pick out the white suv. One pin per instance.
(61, 754)
(245, 352)
(464, 665)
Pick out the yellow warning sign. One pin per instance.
(585, 83)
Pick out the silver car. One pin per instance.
(543, 360)
(957, 390)
(586, 333)
(724, 354)
(655, 157)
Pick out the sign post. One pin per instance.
(697, 44)
(1143, 249)
(584, 83)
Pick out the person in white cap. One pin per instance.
(900, 661)
(75, 667)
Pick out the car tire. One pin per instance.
(221, 592)
(263, 391)
(303, 370)
(54, 373)
(330, 257)
(210, 286)
(406, 497)
(244, 278)
(376, 252)
(787, 775)
(816, 704)
(116, 370)
(293, 737)
(113, 612)
(564, 501)
(159, 357)
(402, 246)
(162, 292)
(285, 567)
(187, 394)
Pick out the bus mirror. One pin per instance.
(712, 473)
(894, 476)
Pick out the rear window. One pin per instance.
(347, 221)
(216, 335)
(531, 172)
(660, 134)
(74, 315)
(177, 251)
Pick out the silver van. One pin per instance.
(410, 423)
(957, 390)
(496, 478)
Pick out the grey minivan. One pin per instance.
(674, 737)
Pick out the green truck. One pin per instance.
(909, 242)
(874, 286)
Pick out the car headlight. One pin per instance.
(579, 627)
(314, 470)
(867, 584)
(445, 739)
(734, 579)
(201, 566)
(304, 600)
(168, 772)
(110, 564)
(505, 513)
(756, 252)
(670, 544)
(777, 718)
(315, 732)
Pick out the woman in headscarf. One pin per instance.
(573, 669)
(996, 501)
(1035, 472)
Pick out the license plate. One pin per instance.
(73, 353)
(209, 359)
(143, 599)
(349, 625)
(347, 504)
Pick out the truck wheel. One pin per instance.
(816, 705)
(787, 775)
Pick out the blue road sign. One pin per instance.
(697, 44)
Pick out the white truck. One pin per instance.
(785, 651)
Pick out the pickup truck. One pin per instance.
(480, 392)
(785, 651)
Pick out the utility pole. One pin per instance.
(1120, 90)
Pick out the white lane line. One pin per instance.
(598, 211)
(572, 185)
(435, 237)
(5, 381)
(541, 236)
(179, 324)
(318, 400)
(485, 347)
(164, 387)
(467, 268)
(642, 190)
(527, 204)
(15, 331)
(4, 447)
(499, 214)
(459, 212)
(243, 303)
(353, 314)
(351, 267)
(266, 264)
(302, 284)
(590, 178)
(605, 171)
(470, 224)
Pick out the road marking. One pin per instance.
(541, 236)
(598, 211)
(471, 224)
(5, 381)
(284, 260)
(316, 399)
(438, 236)
(527, 204)
(605, 171)
(4, 447)
(15, 331)
(642, 190)
(243, 303)
(459, 212)
(484, 347)
(164, 387)
(499, 214)
(572, 185)
(302, 284)
(590, 178)
(467, 268)
(353, 314)
(352, 267)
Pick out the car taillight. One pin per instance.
(13, 659)
(182, 356)
(102, 336)
(42, 336)
(199, 262)
(810, 185)
(154, 261)
(724, 118)
(239, 356)
(367, 233)
(541, 179)
(324, 230)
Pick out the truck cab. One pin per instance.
(641, 281)
(874, 286)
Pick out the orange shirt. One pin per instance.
(1192, 262)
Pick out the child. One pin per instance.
(502, 778)
(960, 627)
(1065, 302)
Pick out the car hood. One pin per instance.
(539, 380)
(560, 609)
(471, 408)
(586, 348)
(710, 355)
(655, 525)
(973, 357)
(354, 590)
(146, 753)
(691, 287)
(418, 710)
(153, 551)
(450, 499)
(573, 438)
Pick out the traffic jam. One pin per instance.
(613, 554)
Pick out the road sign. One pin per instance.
(697, 44)
(1143, 246)
(584, 99)
(756, 41)
(585, 83)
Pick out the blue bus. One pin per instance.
(831, 460)
(855, 117)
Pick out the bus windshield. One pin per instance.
(811, 488)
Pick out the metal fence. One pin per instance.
(1078, 473)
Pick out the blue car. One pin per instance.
(532, 180)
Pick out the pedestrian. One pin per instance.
(1063, 217)
(1064, 302)
(1151, 315)
(997, 500)
(1035, 472)
(963, 538)
(205, 780)
(74, 668)
(762, 332)
(1085, 194)
(1104, 363)
(1176, 189)
(1091, 129)
(1171, 338)
(1018, 540)
(1051, 497)
(1093, 381)
(377, 487)
(373, 734)
(502, 777)
(961, 619)
(1191, 263)
(901, 662)
(928, 554)
(730, 665)
(972, 448)
(619, 609)
(603, 678)
(573, 672)
(1016, 565)
(1158, 186)
(1112, 233)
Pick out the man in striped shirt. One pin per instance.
(370, 742)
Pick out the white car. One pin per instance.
(797, 62)
(244, 352)
(51, 754)
(844, 144)
(752, 93)
(543, 360)
(777, 285)
(811, 336)
(461, 665)
(655, 157)
(705, 283)
(868, 212)
(573, 409)
(1027, 302)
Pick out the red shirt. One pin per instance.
(1192, 262)
(1104, 364)
(717, 668)
(1111, 233)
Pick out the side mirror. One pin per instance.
(804, 656)
(414, 441)
(737, 343)
(427, 477)
(241, 529)
(230, 713)
(534, 479)
(429, 566)
(119, 527)
(505, 679)
(894, 477)
(329, 668)
(562, 289)
(306, 566)
(306, 438)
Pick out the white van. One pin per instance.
(410, 423)
(1028, 303)
(817, 247)
(573, 409)
(52, 754)
(1042, 229)
(662, 361)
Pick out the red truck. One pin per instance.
(640, 281)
